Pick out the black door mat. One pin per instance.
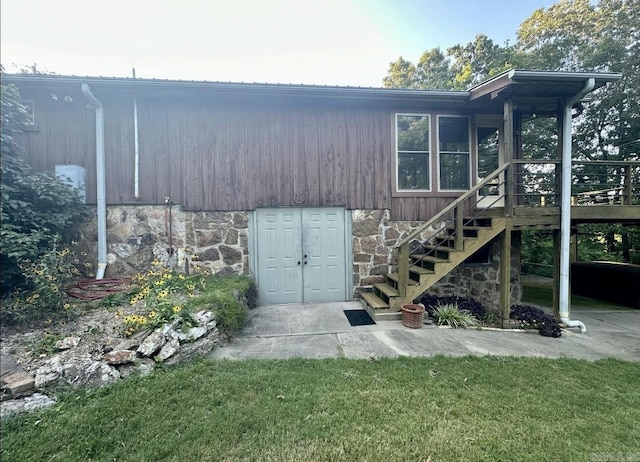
(358, 317)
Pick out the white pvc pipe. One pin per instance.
(136, 151)
(101, 195)
(565, 208)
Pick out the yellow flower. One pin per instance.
(158, 283)
(153, 314)
(163, 293)
(181, 277)
(177, 308)
(156, 263)
(35, 296)
(67, 306)
(191, 286)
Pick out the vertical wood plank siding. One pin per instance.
(228, 152)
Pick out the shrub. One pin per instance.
(165, 296)
(534, 317)
(451, 315)
(47, 278)
(468, 304)
(37, 208)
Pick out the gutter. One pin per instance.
(101, 196)
(565, 207)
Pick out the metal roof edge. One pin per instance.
(294, 89)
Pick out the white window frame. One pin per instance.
(428, 153)
(468, 153)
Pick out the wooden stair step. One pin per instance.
(394, 277)
(430, 258)
(420, 270)
(386, 289)
(373, 301)
(440, 248)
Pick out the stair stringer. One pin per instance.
(471, 246)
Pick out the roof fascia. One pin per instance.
(318, 91)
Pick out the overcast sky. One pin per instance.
(323, 42)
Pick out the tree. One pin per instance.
(461, 67)
(37, 208)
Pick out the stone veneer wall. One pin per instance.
(374, 236)
(138, 235)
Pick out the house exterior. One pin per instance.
(313, 190)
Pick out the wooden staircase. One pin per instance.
(435, 249)
(429, 265)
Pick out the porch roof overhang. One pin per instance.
(535, 91)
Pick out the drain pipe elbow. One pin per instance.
(565, 208)
(101, 196)
(574, 323)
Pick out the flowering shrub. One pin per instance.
(46, 277)
(162, 296)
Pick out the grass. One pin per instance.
(541, 294)
(471, 408)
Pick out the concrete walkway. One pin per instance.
(323, 331)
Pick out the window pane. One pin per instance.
(488, 139)
(454, 171)
(413, 171)
(413, 133)
(454, 134)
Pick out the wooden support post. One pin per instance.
(627, 198)
(458, 241)
(573, 246)
(505, 277)
(508, 156)
(403, 269)
(556, 274)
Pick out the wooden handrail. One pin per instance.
(453, 205)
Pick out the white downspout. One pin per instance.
(101, 196)
(565, 208)
(136, 151)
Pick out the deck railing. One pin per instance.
(524, 183)
(452, 219)
(537, 183)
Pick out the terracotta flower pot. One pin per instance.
(413, 315)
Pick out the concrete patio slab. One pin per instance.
(321, 330)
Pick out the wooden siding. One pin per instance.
(229, 152)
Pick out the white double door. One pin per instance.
(301, 255)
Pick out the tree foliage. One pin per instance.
(38, 209)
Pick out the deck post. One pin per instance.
(403, 269)
(458, 242)
(508, 156)
(627, 198)
(505, 277)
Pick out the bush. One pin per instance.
(47, 279)
(451, 315)
(468, 304)
(536, 318)
(38, 210)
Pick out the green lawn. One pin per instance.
(407, 409)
